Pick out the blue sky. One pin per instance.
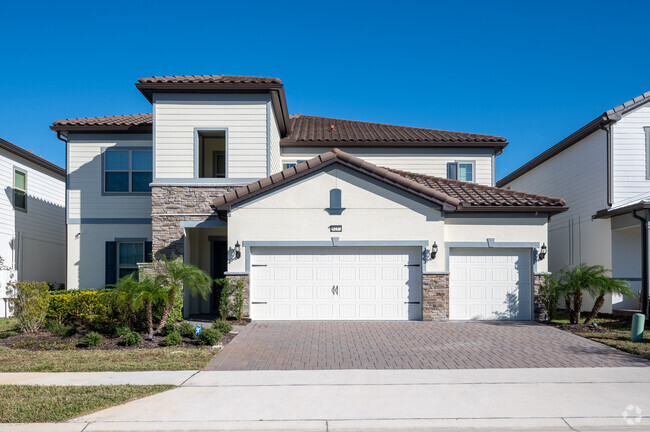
(533, 72)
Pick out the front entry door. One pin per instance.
(219, 260)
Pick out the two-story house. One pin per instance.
(323, 218)
(32, 219)
(603, 172)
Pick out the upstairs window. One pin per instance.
(127, 171)
(286, 165)
(463, 171)
(20, 190)
(212, 154)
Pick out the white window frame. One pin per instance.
(458, 163)
(289, 164)
(23, 172)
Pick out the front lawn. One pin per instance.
(87, 360)
(8, 327)
(31, 404)
(610, 330)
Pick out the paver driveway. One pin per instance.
(279, 345)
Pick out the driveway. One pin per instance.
(311, 345)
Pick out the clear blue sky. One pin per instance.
(530, 71)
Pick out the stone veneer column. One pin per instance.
(170, 205)
(246, 279)
(435, 296)
(541, 314)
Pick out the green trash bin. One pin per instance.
(638, 324)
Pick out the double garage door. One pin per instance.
(336, 283)
(342, 283)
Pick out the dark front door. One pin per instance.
(219, 258)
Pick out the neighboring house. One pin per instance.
(222, 174)
(603, 172)
(32, 218)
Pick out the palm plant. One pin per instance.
(602, 284)
(145, 291)
(572, 282)
(173, 274)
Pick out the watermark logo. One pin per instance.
(632, 414)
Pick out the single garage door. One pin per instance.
(490, 284)
(336, 283)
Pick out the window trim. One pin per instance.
(130, 171)
(646, 129)
(118, 265)
(464, 162)
(196, 155)
(13, 195)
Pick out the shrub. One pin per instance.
(29, 301)
(132, 339)
(222, 326)
(68, 331)
(550, 295)
(186, 329)
(231, 300)
(82, 307)
(122, 330)
(209, 336)
(168, 329)
(173, 338)
(54, 326)
(93, 339)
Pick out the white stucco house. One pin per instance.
(603, 172)
(32, 219)
(323, 218)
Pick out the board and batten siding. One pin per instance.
(177, 116)
(629, 183)
(427, 161)
(32, 242)
(85, 198)
(579, 175)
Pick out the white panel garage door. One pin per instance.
(490, 284)
(336, 283)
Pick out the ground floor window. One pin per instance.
(128, 257)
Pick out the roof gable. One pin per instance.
(451, 195)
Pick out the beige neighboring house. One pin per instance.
(323, 218)
(32, 219)
(603, 172)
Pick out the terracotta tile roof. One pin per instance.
(452, 195)
(123, 120)
(475, 195)
(210, 79)
(309, 130)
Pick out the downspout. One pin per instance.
(644, 263)
(65, 213)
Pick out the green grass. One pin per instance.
(32, 404)
(618, 335)
(139, 359)
(8, 327)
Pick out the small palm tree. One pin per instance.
(600, 285)
(572, 283)
(145, 291)
(173, 274)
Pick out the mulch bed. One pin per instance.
(47, 340)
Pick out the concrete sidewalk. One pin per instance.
(578, 399)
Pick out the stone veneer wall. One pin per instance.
(435, 297)
(246, 279)
(172, 204)
(541, 314)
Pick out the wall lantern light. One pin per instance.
(434, 250)
(542, 252)
(237, 250)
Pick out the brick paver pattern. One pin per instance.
(302, 345)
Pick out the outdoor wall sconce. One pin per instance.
(542, 252)
(237, 250)
(434, 250)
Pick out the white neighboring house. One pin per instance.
(300, 208)
(603, 172)
(32, 218)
